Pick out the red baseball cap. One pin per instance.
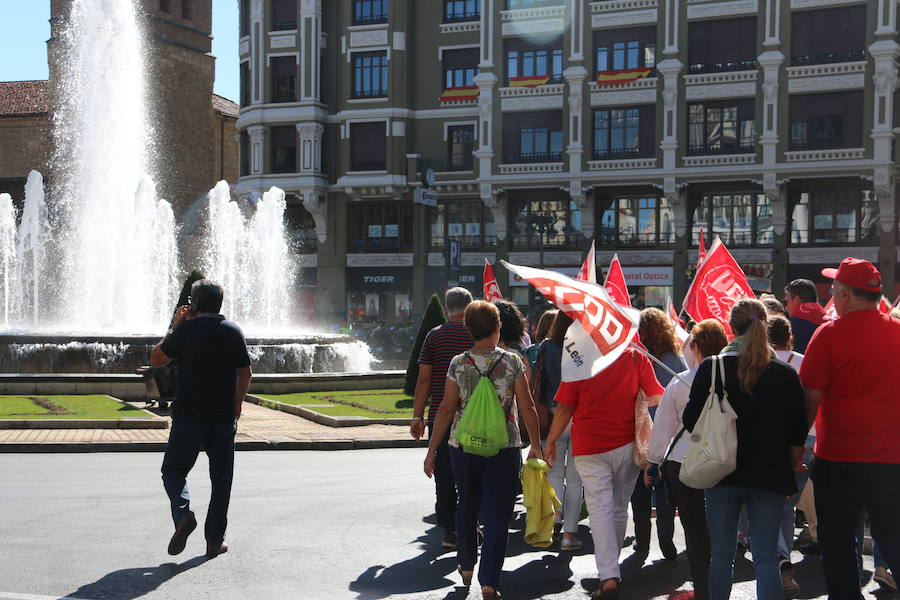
(857, 273)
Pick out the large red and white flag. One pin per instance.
(588, 270)
(701, 250)
(615, 283)
(718, 284)
(491, 289)
(602, 328)
(680, 331)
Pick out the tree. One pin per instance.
(434, 316)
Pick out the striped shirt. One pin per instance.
(441, 344)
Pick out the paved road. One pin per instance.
(353, 525)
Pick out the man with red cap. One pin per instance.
(853, 394)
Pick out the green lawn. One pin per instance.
(387, 404)
(65, 407)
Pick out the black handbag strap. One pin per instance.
(489, 371)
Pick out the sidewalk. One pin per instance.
(258, 429)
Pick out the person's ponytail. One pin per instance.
(748, 320)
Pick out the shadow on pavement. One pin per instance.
(424, 573)
(127, 584)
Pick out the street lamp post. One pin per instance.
(541, 224)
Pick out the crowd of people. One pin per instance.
(815, 403)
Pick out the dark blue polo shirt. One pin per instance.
(208, 350)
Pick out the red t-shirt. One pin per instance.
(604, 404)
(853, 362)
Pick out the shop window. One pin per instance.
(828, 36)
(245, 83)
(368, 12)
(823, 121)
(367, 146)
(625, 132)
(284, 15)
(739, 218)
(284, 149)
(546, 223)
(460, 67)
(530, 64)
(532, 137)
(284, 78)
(380, 227)
(472, 223)
(620, 49)
(835, 216)
(456, 11)
(722, 45)
(244, 16)
(300, 227)
(636, 221)
(727, 127)
(370, 74)
(460, 145)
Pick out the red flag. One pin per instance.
(884, 307)
(588, 270)
(615, 283)
(491, 289)
(602, 328)
(701, 250)
(718, 284)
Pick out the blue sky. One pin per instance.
(24, 29)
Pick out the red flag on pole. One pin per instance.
(602, 328)
(701, 250)
(680, 331)
(588, 270)
(718, 284)
(491, 289)
(615, 283)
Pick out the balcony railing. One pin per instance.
(722, 67)
(444, 165)
(533, 157)
(820, 144)
(368, 166)
(284, 25)
(462, 17)
(370, 19)
(743, 147)
(828, 58)
(617, 153)
(517, 4)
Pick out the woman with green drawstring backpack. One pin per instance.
(485, 395)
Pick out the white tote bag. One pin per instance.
(712, 451)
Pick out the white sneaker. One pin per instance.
(884, 578)
(569, 545)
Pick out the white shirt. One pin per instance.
(795, 359)
(668, 422)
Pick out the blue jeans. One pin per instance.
(786, 539)
(186, 439)
(764, 509)
(486, 489)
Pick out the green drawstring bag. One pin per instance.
(482, 426)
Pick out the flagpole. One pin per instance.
(660, 363)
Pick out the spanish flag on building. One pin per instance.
(529, 81)
(622, 76)
(460, 94)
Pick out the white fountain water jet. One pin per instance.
(31, 252)
(7, 257)
(110, 223)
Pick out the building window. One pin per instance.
(636, 221)
(822, 121)
(245, 83)
(723, 45)
(366, 12)
(624, 132)
(284, 78)
(835, 216)
(546, 223)
(828, 36)
(284, 15)
(370, 74)
(460, 146)
(532, 137)
(245, 17)
(386, 227)
(517, 4)
(620, 49)
(367, 146)
(187, 9)
(284, 149)
(165, 6)
(530, 65)
(456, 11)
(460, 67)
(245, 154)
(727, 127)
(739, 218)
(472, 223)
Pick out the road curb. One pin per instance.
(317, 417)
(244, 446)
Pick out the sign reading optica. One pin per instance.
(644, 276)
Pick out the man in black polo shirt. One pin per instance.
(213, 378)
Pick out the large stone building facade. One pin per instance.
(552, 123)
